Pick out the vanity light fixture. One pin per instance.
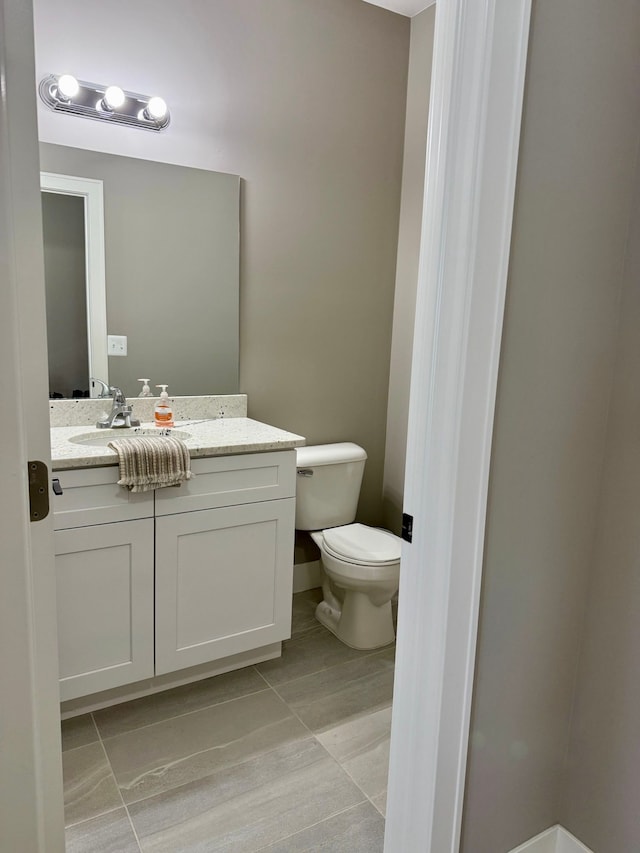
(113, 99)
(64, 93)
(67, 87)
(156, 109)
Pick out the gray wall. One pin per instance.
(578, 151)
(64, 269)
(172, 269)
(305, 100)
(413, 170)
(603, 774)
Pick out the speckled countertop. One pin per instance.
(64, 413)
(214, 437)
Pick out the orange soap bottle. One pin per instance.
(163, 414)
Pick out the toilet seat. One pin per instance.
(362, 571)
(360, 545)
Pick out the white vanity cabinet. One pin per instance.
(224, 559)
(105, 582)
(219, 585)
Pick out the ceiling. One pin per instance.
(403, 7)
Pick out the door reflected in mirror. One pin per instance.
(171, 273)
(64, 260)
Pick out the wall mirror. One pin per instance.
(145, 250)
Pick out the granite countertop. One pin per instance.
(212, 437)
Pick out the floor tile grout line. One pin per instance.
(327, 668)
(295, 714)
(93, 817)
(344, 770)
(88, 743)
(333, 758)
(381, 813)
(311, 825)
(83, 746)
(95, 726)
(213, 772)
(301, 829)
(301, 721)
(113, 775)
(335, 761)
(358, 786)
(178, 716)
(268, 688)
(324, 748)
(368, 713)
(125, 806)
(337, 691)
(133, 829)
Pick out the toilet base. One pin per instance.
(359, 623)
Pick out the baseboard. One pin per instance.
(553, 840)
(128, 692)
(306, 576)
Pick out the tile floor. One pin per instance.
(287, 756)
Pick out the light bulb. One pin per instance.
(68, 87)
(156, 109)
(114, 97)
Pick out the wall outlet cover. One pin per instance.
(116, 344)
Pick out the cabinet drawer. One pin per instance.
(231, 480)
(93, 496)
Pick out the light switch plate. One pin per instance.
(116, 344)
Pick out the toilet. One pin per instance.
(361, 564)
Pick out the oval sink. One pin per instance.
(102, 437)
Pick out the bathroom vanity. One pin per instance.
(164, 587)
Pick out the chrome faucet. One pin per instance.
(120, 414)
(105, 390)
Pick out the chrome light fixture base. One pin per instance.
(89, 102)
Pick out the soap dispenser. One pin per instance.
(163, 414)
(146, 391)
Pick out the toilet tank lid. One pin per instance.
(329, 454)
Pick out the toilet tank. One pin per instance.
(328, 484)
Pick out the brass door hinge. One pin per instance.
(38, 490)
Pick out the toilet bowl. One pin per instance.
(361, 564)
(361, 574)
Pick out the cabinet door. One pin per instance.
(104, 577)
(223, 582)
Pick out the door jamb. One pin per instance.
(477, 86)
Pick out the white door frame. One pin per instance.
(480, 52)
(31, 812)
(91, 191)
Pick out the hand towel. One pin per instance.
(152, 462)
